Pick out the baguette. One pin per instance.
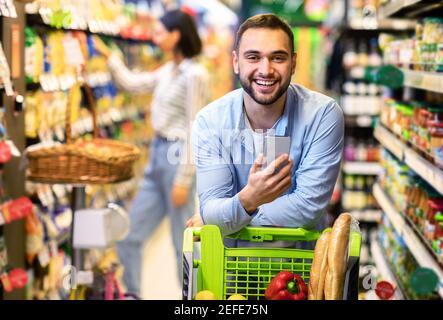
(337, 257)
(319, 267)
(328, 284)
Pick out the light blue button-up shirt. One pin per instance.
(224, 152)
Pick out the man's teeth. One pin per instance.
(265, 83)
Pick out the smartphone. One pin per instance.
(275, 146)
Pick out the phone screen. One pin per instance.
(275, 146)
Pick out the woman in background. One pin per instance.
(179, 91)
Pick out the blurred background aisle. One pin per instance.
(381, 60)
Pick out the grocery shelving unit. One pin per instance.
(384, 268)
(15, 178)
(369, 106)
(12, 38)
(360, 121)
(362, 168)
(419, 250)
(36, 19)
(420, 165)
(361, 111)
(418, 162)
(409, 8)
(423, 80)
(367, 216)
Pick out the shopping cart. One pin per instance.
(248, 271)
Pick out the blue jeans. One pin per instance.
(151, 204)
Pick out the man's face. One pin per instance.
(264, 63)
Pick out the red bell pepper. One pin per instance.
(286, 286)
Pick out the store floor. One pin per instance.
(159, 278)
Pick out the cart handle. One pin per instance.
(188, 263)
(188, 238)
(261, 234)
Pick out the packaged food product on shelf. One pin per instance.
(423, 52)
(432, 227)
(357, 193)
(116, 18)
(415, 199)
(418, 124)
(364, 150)
(400, 260)
(395, 179)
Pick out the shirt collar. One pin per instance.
(281, 126)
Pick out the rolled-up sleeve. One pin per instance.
(315, 177)
(219, 203)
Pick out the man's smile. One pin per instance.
(265, 86)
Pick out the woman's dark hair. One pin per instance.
(190, 44)
(266, 21)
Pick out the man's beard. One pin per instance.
(247, 86)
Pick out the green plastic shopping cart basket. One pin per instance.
(248, 271)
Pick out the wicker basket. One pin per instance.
(98, 161)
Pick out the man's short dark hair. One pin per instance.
(190, 43)
(268, 21)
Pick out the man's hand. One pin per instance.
(179, 195)
(195, 221)
(268, 184)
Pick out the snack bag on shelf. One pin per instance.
(34, 236)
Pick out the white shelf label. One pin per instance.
(423, 80)
(432, 174)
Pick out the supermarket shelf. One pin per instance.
(52, 83)
(384, 268)
(362, 168)
(423, 80)
(35, 19)
(414, 243)
(424, 168)
(409, 8)
(360, 121)
(424, 240)
(381, 24)
(361, 105)
(393, 7)
(389, 141)
(432, 174)
(110, 117)
(368, 216)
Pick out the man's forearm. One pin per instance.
(227, 213)
(293, 210)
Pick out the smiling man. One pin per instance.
(234, 185)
